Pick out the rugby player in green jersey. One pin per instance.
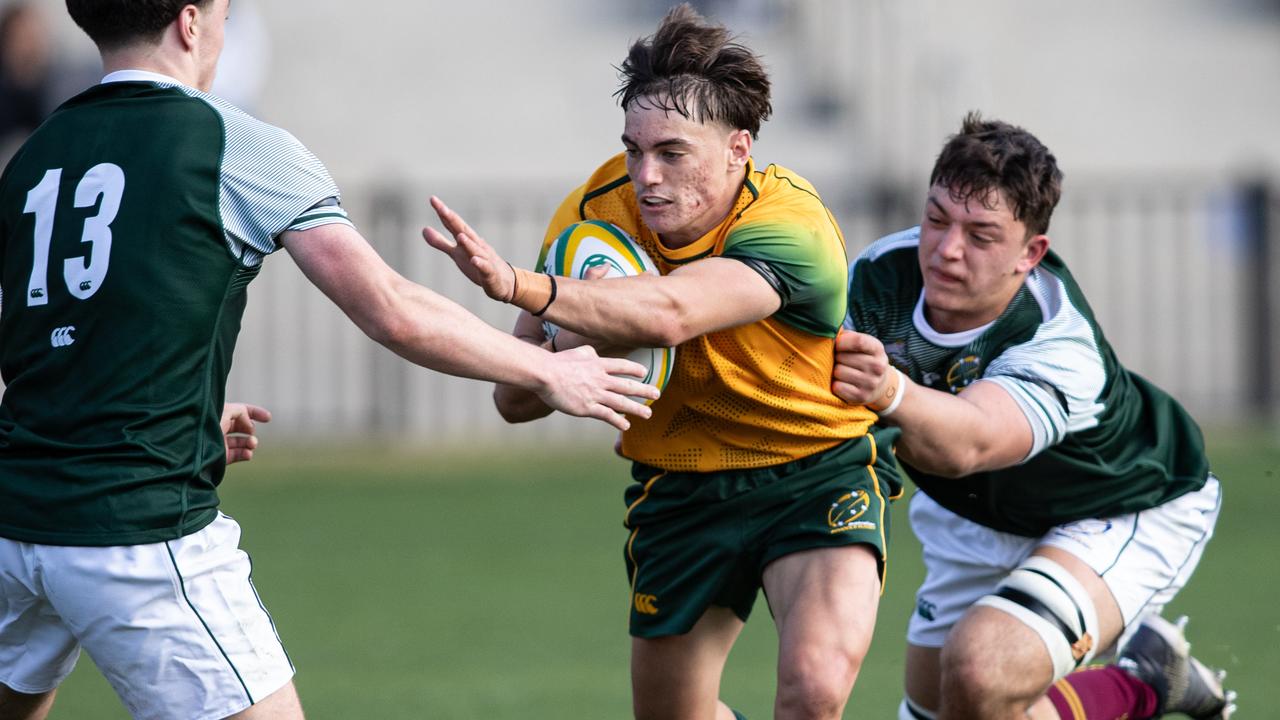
(1063, 500)
(131, 223)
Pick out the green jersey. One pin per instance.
(1105, 440)
(131, 223)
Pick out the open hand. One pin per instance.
(587, 385)
(474, 257)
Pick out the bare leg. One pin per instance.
(678, 677)
(824, 602)
(21, 706)
(282, 704)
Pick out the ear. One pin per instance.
(1032, 253)
(739, 149)
(188, 25)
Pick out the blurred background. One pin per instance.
(1164, 115)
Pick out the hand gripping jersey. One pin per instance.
(131, 223)
(1106, 441)
(758, 394)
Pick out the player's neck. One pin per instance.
(154, 58)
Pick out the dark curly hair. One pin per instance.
(697, 69)
(989, 155)
(114, 24)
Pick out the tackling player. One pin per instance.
(1063, 499)
(750, 473)
(131, 223)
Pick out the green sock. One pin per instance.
(737, 715)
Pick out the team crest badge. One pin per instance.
(964, 372)
(844, 513)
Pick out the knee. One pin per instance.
(967, 676)
(816, 684)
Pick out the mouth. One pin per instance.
(653, 202)
(945, 277)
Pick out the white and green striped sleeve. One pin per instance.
(1057, 376)
(270, 183)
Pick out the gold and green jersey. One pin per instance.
(1105, 441)
(758, 394)
(131, 223)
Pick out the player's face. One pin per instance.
(973, 259)
(686, 174)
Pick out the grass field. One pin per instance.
(490, 584)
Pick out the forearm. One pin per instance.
(641, 311)
(950, 435)
(434, 332)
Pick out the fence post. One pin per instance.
(1260, 300)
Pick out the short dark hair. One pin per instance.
(990, 155)
(697, 69)
(114, 24)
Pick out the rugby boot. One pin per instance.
(1158, 654)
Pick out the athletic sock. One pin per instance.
(1105, 693)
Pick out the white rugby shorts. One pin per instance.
(176, 627)
(1145, 558)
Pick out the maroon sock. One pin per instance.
(1104, 693)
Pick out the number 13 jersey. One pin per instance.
(131, 223)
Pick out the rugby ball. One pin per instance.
(594, 243)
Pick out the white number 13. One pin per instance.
(82, 278)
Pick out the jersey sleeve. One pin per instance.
(270, 183)
(805, 266)
(878, 286)
(1057, 377)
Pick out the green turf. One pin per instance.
(415, 586)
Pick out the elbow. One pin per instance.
(389, 330)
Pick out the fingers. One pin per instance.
(452, 221)
(258, 413)
(240, 448)
(596, 272)
(856, 342)
(437, 240)
(607, 414)
(622, 366)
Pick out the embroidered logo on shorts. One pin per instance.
(645, 604)
(844, 513)
(926, 609)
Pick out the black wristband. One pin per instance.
(550, 299)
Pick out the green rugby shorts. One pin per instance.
(703, 539)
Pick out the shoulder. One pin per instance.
(888, 263)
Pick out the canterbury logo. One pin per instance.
(646, 604)
(61, 337)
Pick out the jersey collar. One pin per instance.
(139, 76)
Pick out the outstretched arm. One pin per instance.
(981, 428)
(641, 311)
(434, 332)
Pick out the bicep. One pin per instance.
(1003, 437)
(340, 262)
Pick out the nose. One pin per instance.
(951, 246)
(646, 172)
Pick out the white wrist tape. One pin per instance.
(897, 399)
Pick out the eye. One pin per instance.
(934, 220)
(632, 152)
(671, 155)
